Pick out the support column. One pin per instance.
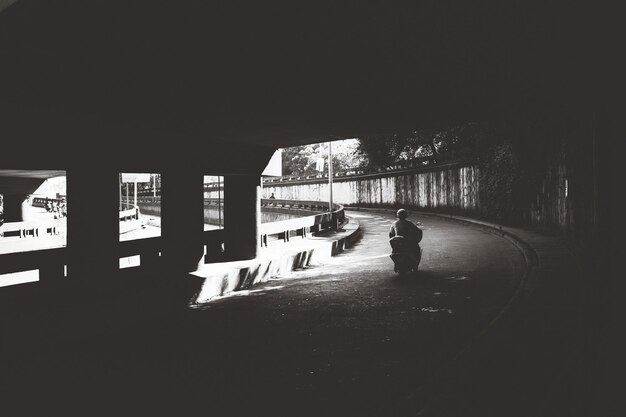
(13, 210)
(92, 222)
(182, 220)
(50, 273)
(242, 216)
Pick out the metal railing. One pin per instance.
(41, 201)
(25, 229)
(129, 214)
(296, 204)
(284, 229)
(414, 165)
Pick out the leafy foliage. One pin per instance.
(302, 160)
(499, 174)
(431, 145)
(513, 158)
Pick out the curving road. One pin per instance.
(355, 338)
(349, 338)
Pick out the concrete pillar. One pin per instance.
(182, 219)
(92, 222)
(13, 207)
(50, 272)
(242, 216)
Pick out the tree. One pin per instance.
(437, 144)
(302, 160)
(382, 151)
(299, 160)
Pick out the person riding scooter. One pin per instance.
(404, 239)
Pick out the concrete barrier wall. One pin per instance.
(451, 188)
(562, 199)
(553, 205)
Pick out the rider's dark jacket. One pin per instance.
(403, 227)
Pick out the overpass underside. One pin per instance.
(189, 88)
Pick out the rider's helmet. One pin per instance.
(402, 214)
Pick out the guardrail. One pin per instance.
(214, 201)
(50, 262)
(24, 229)
(130, 214)
(265, 202)
(395, 170)
(329, 220)
(297, 204)
(415, 163)
(41, 201)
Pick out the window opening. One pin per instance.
(33, 210)
(22, 277)
(213, 202)
(139, 205)
(130, 261)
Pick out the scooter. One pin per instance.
(405, 259)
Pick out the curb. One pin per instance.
(221, 279)
(530, 255)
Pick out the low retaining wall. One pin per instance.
(224, 278)
(452, 187)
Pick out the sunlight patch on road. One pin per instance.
(433, 310)
(328, 280)
(348, 259)
(339, 264)
(461, 278)
(233, 294)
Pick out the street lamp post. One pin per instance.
(330, 176)
(333, 216)
(219, 202)
(127, 196)
(120, 183)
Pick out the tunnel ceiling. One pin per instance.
(284, 73)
